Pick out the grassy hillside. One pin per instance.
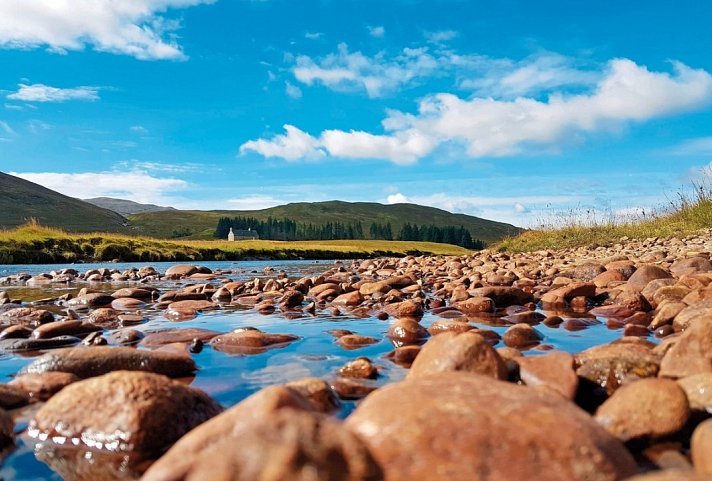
(685, 217)
(32, 244)
(22, 200)
(125, 207)
(201, 224)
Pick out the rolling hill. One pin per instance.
(201, 224)
(21, 200)
(125, 207)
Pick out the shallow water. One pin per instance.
(231, 378)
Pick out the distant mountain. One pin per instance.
(125, 207)
(21, 200)
(202, 224)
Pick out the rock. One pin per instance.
(609, 365)
(42, 386)
(567, 293)
(180, 270)
(12, 396)
(360, 368)
(127, 304)
(648, 408)
(701, 447)
(64, 328)
(588, 271)
(104, 317)
(27, 316)
(134, 412)
(463, 427)
(670, 475)
(666, 313)
(95, 299)
(690, 266)
(644, 274)
(7, 431)
(291, 299)
(125, 337)
(135, 293)
(253, 440)
(503, 296)
(24, 345)
(439, 326)
(16, 331)
(406, 331)
(405, 310)
(698, 389)
(522, 335)
(190, 307)
(321, 397)
(691, 353)
(404, 355)
(94, 361)
(525, 317)
(608, 278)
(553, 371)
(475, 305)
(161, 338)
(349, 299)
(690, 314)
(250, 341)
(450, 351)
(355, 341)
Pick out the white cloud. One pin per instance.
(397, 198)
(135, 185)
(5, 127)
(292, 90)
(440, 36)
(520, 208)
(354, 71)
(254, 202)
(698, 146)
(378, 31)
(294, 145)
(45, 93)
(486, 127)
(313, 35)
(136, 27)
(139, 129)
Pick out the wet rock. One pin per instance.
(525, 317)
(522, 335)
(28, 316)
(464, 427)
(125, 337)
(355, 341)
(25, 345)
(440, 326)
(94, 361)
(94, 300)
(180, 270)
(689, 315)
(670, 475)
(588, 271)
(608, 278)
(352, 388)
(291, 299)
(553, 371)
(230, 447)
(104, 317)
(64, 328)
(406, 331)
(349, 299)
(648, 408)
(645, 274)
(127, 304)
(161, 338)
(7, 431)
(318, 392)
(135, 293)
(610, 364)
(42, 386)
(503, 296)
(12, 396)
(666, 313)
(450, 351)
(691, 353)
(190, 307)
(701, 447)
(404, 355)
(134, 412)
(361, 368)
(475, 305)
(690, 266)
(409, 309)
(16, 331)
(250, 341)
(568, 292)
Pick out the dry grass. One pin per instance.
(33, 243)
(684, 215)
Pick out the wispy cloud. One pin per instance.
(45, 93)
(254, 202)
(292, 90)
(139, 129)
(698, 146)
(440, 36)
(5, 127)
(377, 31)
(135, 27)
(626, 93)
(313, 35)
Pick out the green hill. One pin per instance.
(21, 200)
(201, 224)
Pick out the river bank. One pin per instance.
(583, 364)
(41, 245)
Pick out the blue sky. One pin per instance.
(508, 110)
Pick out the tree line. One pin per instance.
(290, 230)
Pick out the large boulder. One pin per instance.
(86, 362)
(466, 427)
(691, 353)
(644, 274)
(135, 412)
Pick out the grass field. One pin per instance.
(33, 244)
(684, 216)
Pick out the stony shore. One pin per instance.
(475, 405)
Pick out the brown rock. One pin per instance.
(355, 341)
(463, 427)
(42, 386)
(134, 292)
(670, 475)
(649, 408)
(161, 338)
(698, 389)
(439, 326)
(12, 396)
(610, 364)
(525, 317)
(406, 331)
(475, 305)
(404, 355)
(569, 292)
(688, 315)
(608, 277)
(450, 351)
(190, 307)
(127, 304)
(351, 299)
(94, 361)
(180, 270)
(64, 328)
(270, 435)
(690, 266)
(588, 271)
(104, 316)
(554, 371)
(135, 412)
(503, 296)
(7, 430)
(521, 335)
(666, 313)
(701, 447)
(691, 353)
(408, 309)
(320, 395)
(27, 316)
(360, 368)
(250, 341)
(644, 274)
